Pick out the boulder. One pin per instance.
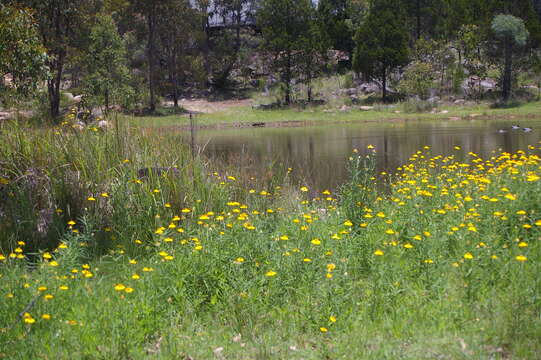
(103, 124)
(4, 115)
(366, 108)
(367, 88)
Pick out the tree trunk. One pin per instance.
(53, 86)
(418, 16)
(288, 79)
(151, 59)
(309, 84)
(106, 96)
(174, 75)
(508, 66)
(384, 84)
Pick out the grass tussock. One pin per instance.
(442, 264)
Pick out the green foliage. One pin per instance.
(335, 19)
(510, 27)
(284, 24)
(22, 55)
(381, 42)
(107, 79)
(417, 80)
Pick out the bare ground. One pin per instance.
(203, 106)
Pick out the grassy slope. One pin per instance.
(247, 115)
(274, 274)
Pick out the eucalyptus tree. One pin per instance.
(180, 34)
(22, 55)
(106, 62)
(61, 24)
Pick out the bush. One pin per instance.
(417, 80)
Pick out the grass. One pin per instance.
(316, 115)
(195, 265)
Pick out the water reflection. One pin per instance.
(318, 154)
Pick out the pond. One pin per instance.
(318, 154)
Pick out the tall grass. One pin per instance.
(115, 179)
(443, 264)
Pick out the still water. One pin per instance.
(318, 154)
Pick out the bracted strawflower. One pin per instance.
(378, 253)
(468, 256)
(521, 258)
(270, 273)
(323, 329)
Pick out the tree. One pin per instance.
(381, 42)
(22, 56)
(107, 73)
(178, 27)
(226, 42)
(149, 10)
(61, 23)
(511, 32)
(334, 17)
(314, 44)
(283, 23)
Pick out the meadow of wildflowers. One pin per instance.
(443, 261)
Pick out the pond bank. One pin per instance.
(244, 117)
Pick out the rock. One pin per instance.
(103, 124)
(68, 96)
(4, 115)
(79, 125)
(488, 84)
(454, 118)
(366, 108)
(434, 99)
(344, 108)
(444, 112)
(367, 88)
(475, 85)
(459, 102)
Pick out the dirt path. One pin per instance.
(203, 106)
